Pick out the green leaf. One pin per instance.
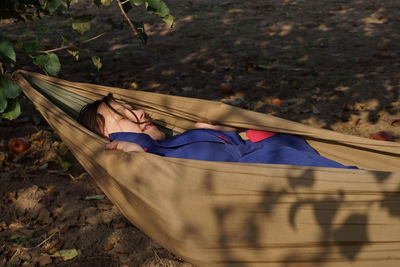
(139, 27)
(95, 197)
(49, 63)
(66, 254)
(103, 2)
(7, 53)
(54, 4)
(97, 62)
(12, 111)
(157, 7)
(3, 100)
(65, 165)
(169, 20)
(81, 27)
(74, 52)
(137, 2)
(10, 89)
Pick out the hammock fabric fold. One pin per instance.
(227, 214)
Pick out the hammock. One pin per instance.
(220, 213)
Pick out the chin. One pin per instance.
(160, 136)
(156, 134)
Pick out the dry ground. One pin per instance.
(332, 64)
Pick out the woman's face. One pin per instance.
(114, 122)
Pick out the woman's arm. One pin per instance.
(130, 146)
(124, 146)
(222, 128)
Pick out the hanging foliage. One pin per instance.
(48, 60)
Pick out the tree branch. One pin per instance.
(72, 45)
(128, 19)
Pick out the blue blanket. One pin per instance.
(211, 145)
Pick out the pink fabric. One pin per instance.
(256, 136)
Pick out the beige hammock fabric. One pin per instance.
(236, 214)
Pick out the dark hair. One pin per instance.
(94, 121)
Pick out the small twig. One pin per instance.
(157, 258)
(128, 19)
(77, 178)
(68, 174)
(47, 239)
(72, 45)
(16, 253)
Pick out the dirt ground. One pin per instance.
(329, 63)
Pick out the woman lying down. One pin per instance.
(132, 130)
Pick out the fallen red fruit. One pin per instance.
(225, 88)
(18, 145)
(383, 135)
(276, 102)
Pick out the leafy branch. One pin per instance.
(47, 60)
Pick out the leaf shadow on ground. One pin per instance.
(332, 63)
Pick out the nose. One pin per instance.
(140, 114)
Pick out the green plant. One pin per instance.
(18, 11)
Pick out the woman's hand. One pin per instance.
(124, 146)
(221, 128)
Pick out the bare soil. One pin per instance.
(330, 64)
